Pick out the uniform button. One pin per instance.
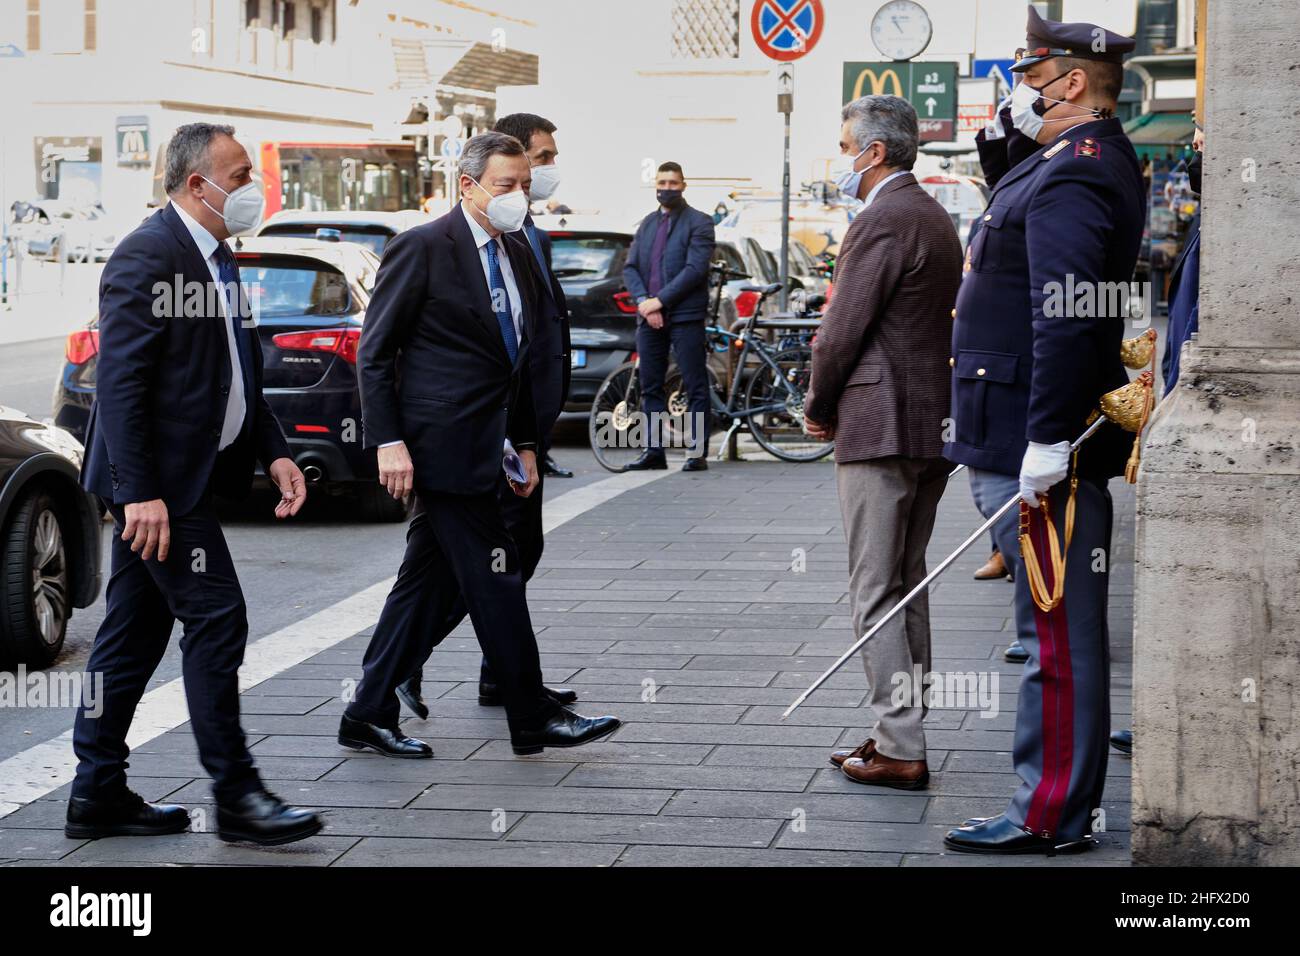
(952, 362)
(954, 313)
(979, 371)
(988, 217)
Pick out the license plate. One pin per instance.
(578, 358)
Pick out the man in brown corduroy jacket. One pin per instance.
(880, 388)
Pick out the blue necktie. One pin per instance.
(228, 274)
(501, 301)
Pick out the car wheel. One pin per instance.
(35, 585)
(377, 505)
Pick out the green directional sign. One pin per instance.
(930, 87)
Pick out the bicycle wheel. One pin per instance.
(678, 401)
(779, 430)
(617, 424)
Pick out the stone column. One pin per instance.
(1216, 677)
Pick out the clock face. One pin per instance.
(901, 29)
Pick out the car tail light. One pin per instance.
(746, 302)
(623, 300)
(82, 346)
(312, 429)
(340, 342)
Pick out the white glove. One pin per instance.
(1043, 466)
(994, 129)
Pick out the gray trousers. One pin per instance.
(888, 505)
(1063, 712)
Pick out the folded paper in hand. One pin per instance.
(512, 465)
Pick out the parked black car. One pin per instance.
(49, 539)
(374, 230)
(309, 298)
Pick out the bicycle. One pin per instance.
(772, 406)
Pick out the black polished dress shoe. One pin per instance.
(652, 459)
(1015, 653)
(563, 728)
(696, 464)
(263, 818)
(410, 694)
(551, 470)
(389, 741)
(124, 813)
(1000, 835)
(489, 695)
(1122, 740)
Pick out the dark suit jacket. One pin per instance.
(880, 358)
(549, 365)
(433, 368)
(164, 380)
(1032, 350)
(685, 293)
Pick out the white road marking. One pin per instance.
(37, 771)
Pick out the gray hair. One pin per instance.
(887, 119)
(189, 152)
(479, 149)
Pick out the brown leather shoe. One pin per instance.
(994, 568)
(865, 752)
(885, 771)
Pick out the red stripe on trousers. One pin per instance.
(1048, 801)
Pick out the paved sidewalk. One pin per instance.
(675, 607)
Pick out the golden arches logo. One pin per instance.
(878, 83)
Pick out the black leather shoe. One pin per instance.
(389, 741)
(1122, 740)
(123, 814)
(263, 818)
(652, 459)
(489, 695)
(563, 728)
(409, 693)
(1000, 835)
(551, 470)
(696, 464)
(1015, 653)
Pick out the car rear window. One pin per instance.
(278, 289)
(373, 238)
(587, 257)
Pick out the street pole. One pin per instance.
(785, 104)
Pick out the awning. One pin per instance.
(1161, 129)
(421, 64)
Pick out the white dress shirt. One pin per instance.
(236, 406)
(481, 239)
(880, 185)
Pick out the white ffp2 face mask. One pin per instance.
(1027, 119)
(546, 179)
(243, 210)
(506, 212)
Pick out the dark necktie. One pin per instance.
(657, 254)
(228, 274)
(501, 301)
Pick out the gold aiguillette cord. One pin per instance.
(1033, 569)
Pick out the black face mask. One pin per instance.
(1194, 173)
(669, 198)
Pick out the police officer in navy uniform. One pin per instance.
(1036, 342)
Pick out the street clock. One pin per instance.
(901, 29)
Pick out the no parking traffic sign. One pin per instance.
(787, 29)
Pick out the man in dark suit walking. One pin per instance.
(178, 416)
(880, 390)
(548, 370)
(445, 386)
(667, 273)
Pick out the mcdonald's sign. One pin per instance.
(875, 80)
(929, 86)
(133, 141)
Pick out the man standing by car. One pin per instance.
(880, 390)
(548, 368)
(667, 273)
(178, 416)
(444, 372)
